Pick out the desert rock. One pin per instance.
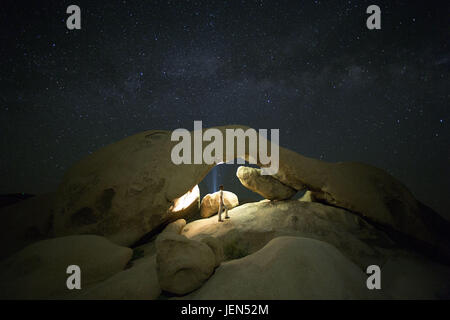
(182, 264)
(140, 282)
(210, 203)
(253, 225)
(175, 227)
(127, 189)
(26, 222)
(216, 246)
(265, 185)
(39, 270)
(308, 197)
(287, 268)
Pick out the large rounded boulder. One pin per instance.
(253, 225)
(287, 268)
(39, 270)
(127, 189)
(265, 185)
(182, 264)
(139, 282)
(210, 203)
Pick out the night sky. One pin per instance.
(336, 90)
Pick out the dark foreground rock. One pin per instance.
(39, 270)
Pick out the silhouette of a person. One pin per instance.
(222, 205)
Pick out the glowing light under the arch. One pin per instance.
(186, 200)
(214, 177)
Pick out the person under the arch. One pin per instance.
(222, 205)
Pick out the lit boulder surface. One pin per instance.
(186, 205)
(210, 203)
(253, 225)
(287, 268)
(39, 270)
(182, 265)
(308, 197)
(265, 185)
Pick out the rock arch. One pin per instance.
(130, 186)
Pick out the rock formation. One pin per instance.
(287, 268)
(353, 214)
(254, 224)
(265, 185)
(183, 264)
(140, 282)
(175, 227)
(127, 189)
(39, 270)
(360, 188)
(308, 197)
(216, 246)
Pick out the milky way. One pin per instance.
(336, 90)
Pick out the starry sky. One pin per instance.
(336, 90)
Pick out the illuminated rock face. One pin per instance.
(210, 203)
(267, 186)
(186, 205)
(252, 225)
(308, 197)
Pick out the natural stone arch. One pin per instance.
(127, 188)
(131, 184)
